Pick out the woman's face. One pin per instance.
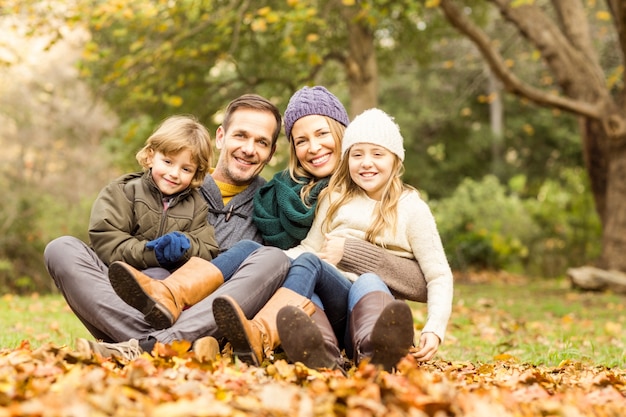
(315, 145)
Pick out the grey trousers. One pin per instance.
(83, 280)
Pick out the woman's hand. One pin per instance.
(332, 250)
(429, 343)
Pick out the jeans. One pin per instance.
(364, 285)
(309, 276)
(229, 261)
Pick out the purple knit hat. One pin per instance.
(313, 100)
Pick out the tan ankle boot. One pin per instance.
(253, 340)
(206, 349)
(162, 301)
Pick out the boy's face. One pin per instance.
(172, 173)
(245, 148)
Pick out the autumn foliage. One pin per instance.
(55, 381)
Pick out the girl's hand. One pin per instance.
(332, 250)
(429, 343)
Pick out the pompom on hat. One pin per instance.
(377, 127)
(313, 100)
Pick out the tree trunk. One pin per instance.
(594, 144)
(614, 226)
(496, 119)
(361, 68)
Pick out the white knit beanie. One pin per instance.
(374, 126)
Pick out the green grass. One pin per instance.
(39, 320)
(540, 322)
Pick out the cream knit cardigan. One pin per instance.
(415, 237)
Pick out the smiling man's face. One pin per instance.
(246, 147)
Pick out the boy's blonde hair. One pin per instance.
(176, 134)
(386, 214)
(297, 172)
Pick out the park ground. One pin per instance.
(515, 347)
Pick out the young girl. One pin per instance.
(157, 219)
(367, 199)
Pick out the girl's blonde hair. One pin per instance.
(386, 211)
(297, 172)
(176, 134)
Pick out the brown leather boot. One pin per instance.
(162, 301)
(253, 340)
(206, 349)
(381, 329)
(310, 340)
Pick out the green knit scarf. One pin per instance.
(279, 213)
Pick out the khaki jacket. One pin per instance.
(129, 212)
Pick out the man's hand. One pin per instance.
(332, 250)
(429, 343)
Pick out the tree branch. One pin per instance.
(509, 80)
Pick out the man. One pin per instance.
(246, 140)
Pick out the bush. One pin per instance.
(482, 225)
(570, 227)
(485, 224)
(29, 220)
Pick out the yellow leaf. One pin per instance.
(603, 15)
(348, 2)
(432, 3)
(504, 357)
(259, 25)
(174, 101)
(613, 328)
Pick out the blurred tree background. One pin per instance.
(84, 82)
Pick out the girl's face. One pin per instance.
(172, 173)
(315, 145)
(371, 168)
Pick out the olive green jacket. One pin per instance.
(129, 212)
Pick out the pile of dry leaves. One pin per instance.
(56, 381)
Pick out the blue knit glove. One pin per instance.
(169, 248)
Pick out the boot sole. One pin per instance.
(229, 322)
(128, 289)
(392, 335)
(301, 339)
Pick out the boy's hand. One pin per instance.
(169, 248)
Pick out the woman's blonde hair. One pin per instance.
(176, 134)
(386, 213)
(297, 172)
